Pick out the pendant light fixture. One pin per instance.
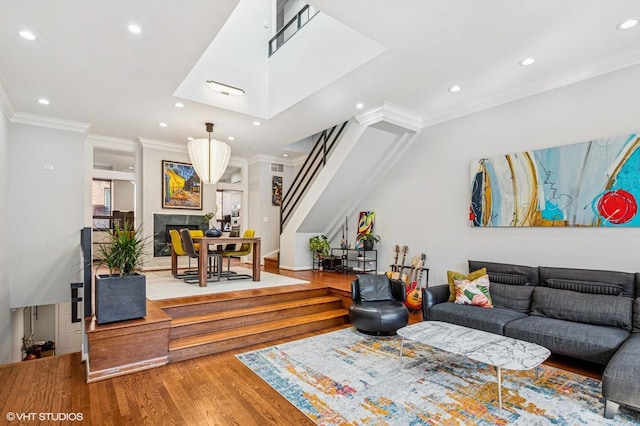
(209, 157)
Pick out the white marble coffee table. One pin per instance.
(492, 349)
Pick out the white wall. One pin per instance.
(46, 214)
(5, 312)
(123, 195)
(260, 206)
(425, 203)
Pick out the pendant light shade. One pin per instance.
(209, 157)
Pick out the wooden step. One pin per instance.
(271, 264)
(209, 343)
(240, 300)
(217, 321)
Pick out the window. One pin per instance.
(101, 195)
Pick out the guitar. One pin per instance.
(414, 297)
(399, 274)
(412, 281)
(394, 267)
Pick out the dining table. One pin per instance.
(203, 255)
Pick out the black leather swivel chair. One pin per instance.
(377, 305)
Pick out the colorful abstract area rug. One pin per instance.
(348, 378)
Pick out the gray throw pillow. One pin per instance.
(596, 309)
(514, 297)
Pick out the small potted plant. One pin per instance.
(29, 348)
(368, 240)
(210, 231)
(320, 246)
(121, 294)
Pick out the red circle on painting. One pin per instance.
(617, 206)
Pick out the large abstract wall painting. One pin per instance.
(595, 184)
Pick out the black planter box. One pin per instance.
(120, 298)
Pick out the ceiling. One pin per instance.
(94, 71)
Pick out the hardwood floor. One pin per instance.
(209, 390)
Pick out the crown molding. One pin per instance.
(50, 122)
(112, 143)
(393, 114)
(264, 158)
(163, 145)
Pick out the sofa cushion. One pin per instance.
(508, 271)
(511, 279)
(514, 297)
(625, 280)
(584, 286)
(490, 320)
(452, 276)
(474, 292)
(621, 378)
(584, 341)
(596, 309)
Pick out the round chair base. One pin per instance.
(378, 318)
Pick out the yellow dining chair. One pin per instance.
(189, 248)
(244, 250)
(176, 244)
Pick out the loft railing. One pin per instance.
(291, 27)
(316, 159)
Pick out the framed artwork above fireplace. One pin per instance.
(181, 186)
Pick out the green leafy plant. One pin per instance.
(123, 253)
(28, 345)
(319, 244)
(372, 238)
(207, 218)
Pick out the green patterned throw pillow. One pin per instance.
(474, 292)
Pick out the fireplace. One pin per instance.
(162, 223)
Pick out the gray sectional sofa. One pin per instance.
(591, 315)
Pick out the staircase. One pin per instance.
(370, 145)
(206, 326)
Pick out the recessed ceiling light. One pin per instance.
(231, 138)
(359, 106)
(285, 155)
(189, 138)
(44, 101)
(256, 123)
(179, 105)
(527, 61)
(135, 29)
(629, 23)
(27, 35)
(162, 124)
(454, 89)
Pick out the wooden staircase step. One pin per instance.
(220, 341)
(271, 263)
(245, 299)
(217, 321)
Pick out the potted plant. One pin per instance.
(210, 231)
(121, 294)
(368, 240)
(29, 348)
(320, 246)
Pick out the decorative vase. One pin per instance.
(120, 298)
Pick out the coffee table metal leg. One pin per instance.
(499, 387)
(401, 348)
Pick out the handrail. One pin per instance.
(298, 20)
(316, 159)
